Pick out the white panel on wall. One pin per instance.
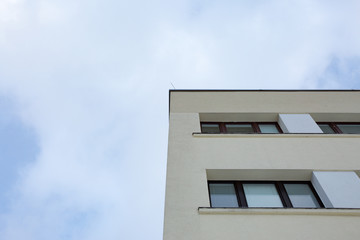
(337, 189)
(298, 123)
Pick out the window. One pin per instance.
(261, 195)
(210, 128)
(240, 127)
(223, 194)
(331, 128)
(269, 194)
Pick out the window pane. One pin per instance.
(262, 195)
(223, 195)
(301, 195)
(239, 128)
(326, 128)
(210, 128)
(268, 128)
(349, 128)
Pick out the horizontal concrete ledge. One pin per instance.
(281, 211)
(273, 135)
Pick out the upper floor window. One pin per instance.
(240, 127)
(331, 127)
(247, 194)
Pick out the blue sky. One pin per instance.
(84, 96)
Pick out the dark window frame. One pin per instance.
(336, 129)
(254, 125)
(284, 197)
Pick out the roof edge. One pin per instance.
(264, 90)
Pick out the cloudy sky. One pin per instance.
(84, 96)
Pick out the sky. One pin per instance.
(84, 96)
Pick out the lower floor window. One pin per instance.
(271, 194)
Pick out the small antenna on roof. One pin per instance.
(173, 85)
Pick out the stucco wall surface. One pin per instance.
(265, 102)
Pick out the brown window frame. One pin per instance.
(336, 129)
(254, 125)
(285, 199)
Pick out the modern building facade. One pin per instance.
(263, 165)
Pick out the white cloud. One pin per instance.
(54, 12)
(9, 10)
(91, 77)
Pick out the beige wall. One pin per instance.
(191, 157)
(265, 102)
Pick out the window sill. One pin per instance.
(280, 211)
(273, 135)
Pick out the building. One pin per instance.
(263, 164)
